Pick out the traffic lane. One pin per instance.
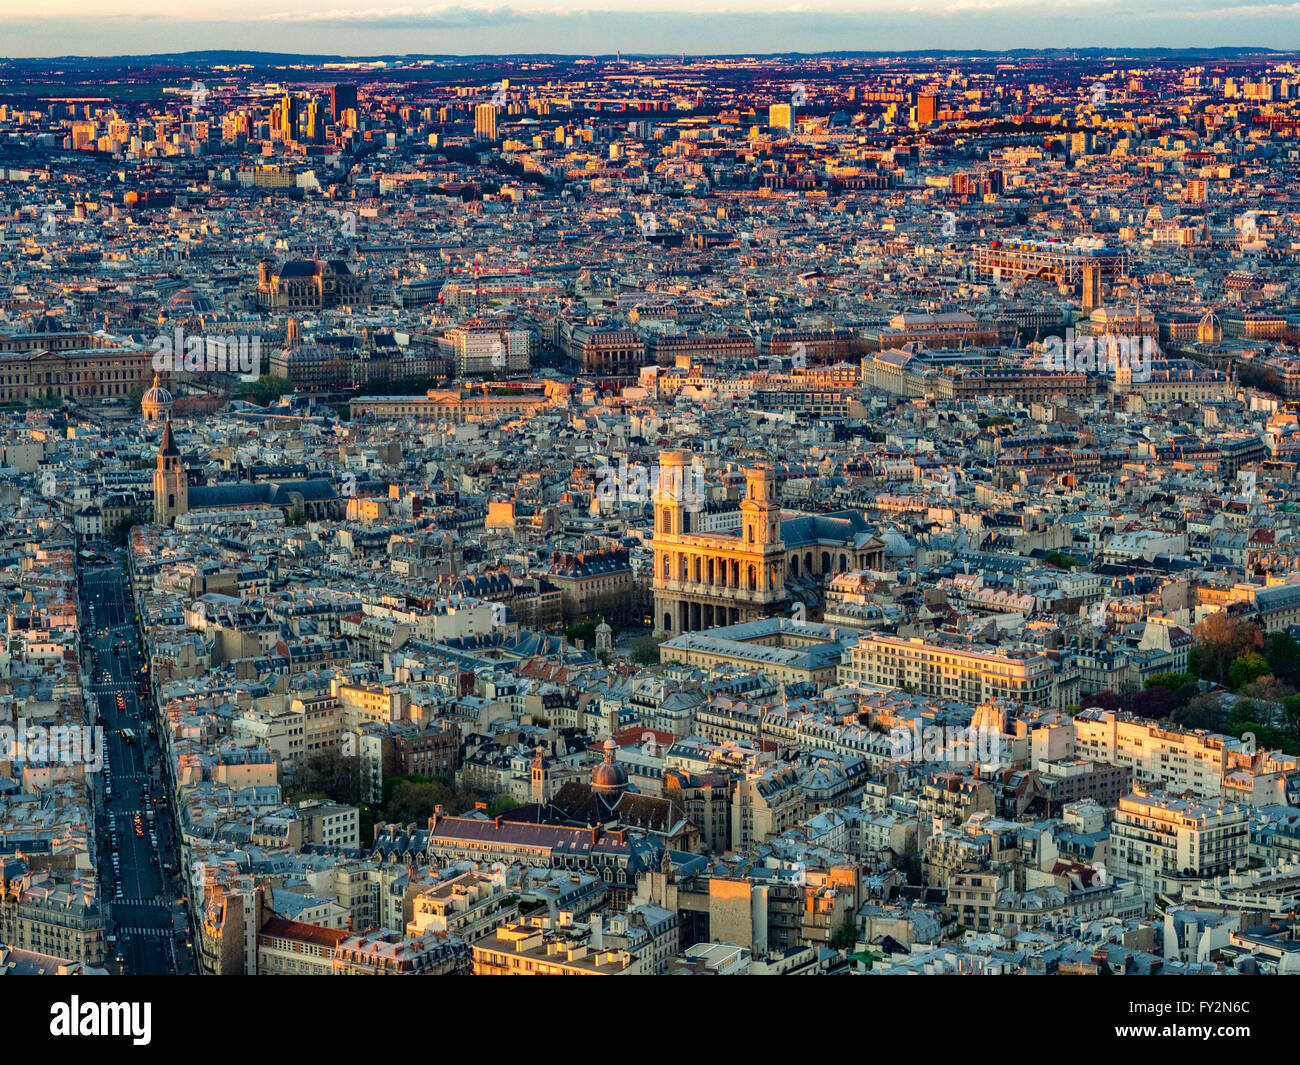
(142, 876)
(135, 854)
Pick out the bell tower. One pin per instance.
(761, 517)
(670, 493)
(171, 496)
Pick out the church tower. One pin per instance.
(671, 515)
(171, 496)
(539, 783)
(761, 517)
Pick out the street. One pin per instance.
(133, 826)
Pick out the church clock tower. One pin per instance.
(170, 488)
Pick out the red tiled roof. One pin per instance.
(307, 933)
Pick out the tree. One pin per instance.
(1105, 699)
(1182, 685)
(264, 389)
(329, 773)
(415, 800)
(1247, 668)
(1222, 639)
(1291, 714)
(1155, 701)
(1204, 711)
(1283, 654)
(1060, 560)
(1242, 716)
(846, 936)
(1267, 690)
(646, 651)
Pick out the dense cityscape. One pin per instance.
(628, 515)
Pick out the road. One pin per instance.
(142, 899)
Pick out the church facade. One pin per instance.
(706, 579)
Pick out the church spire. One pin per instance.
(167, 445)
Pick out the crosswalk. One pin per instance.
(154, 900)
(145, 933)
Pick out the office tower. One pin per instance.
(289, 117)
(315, 122)
(781, 116)
(485, 122)
(927, 108)
(342, 98)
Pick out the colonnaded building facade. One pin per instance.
(706, 579)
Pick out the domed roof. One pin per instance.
(609, 775)
(186, 300)
(157, 396)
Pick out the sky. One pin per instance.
(374, 27)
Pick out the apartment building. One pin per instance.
(526, 949)
(386, 953)
(295, 948)
(1163, 842)
(949, 671)
(1176, 759)
(48, 913)
(469, 906)
(765, 805)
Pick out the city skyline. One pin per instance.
(561, 512)
(74, 27)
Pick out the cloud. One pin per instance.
(457, 17)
